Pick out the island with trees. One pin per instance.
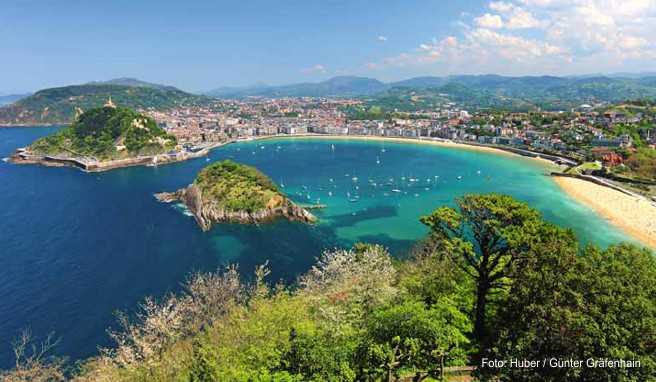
(105, 138)
(227, 191)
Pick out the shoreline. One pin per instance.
(21, 157)
(610, 204)
(633, 215)
(433, 142)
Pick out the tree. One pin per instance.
(482, 236)
(34, 362)
(536, 321)
(593, 306)
(411, 337)
(619, 311)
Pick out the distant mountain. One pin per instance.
(128, 81)
(11, 98)
(517, 93)
(344, 86)
(59, 105)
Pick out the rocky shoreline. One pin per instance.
(207, 212)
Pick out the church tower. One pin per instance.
(109, 103)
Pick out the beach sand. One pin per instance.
(635, 216)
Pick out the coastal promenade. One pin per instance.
(22, 156)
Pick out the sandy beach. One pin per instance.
(634, 215)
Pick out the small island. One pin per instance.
(105, 138)
(231, 192)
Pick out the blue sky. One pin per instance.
(199, 45)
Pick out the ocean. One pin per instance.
(76, 247)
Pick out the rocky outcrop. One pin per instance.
(207, 212)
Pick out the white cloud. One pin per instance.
(489, 21)
(515, 17)
(315, 69)
(542, 36)
(382, 38)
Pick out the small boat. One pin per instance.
(332, 147)
(478, 172)
(354, 200)
(377, 160)
(355, 179)
(459, 177)
(207, 159)
(330, 193)
(331, 180)
(396, 190)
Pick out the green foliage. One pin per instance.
(356, 317)
(411, 338)
(483, 236)
(535, 319)
(619, 315)
(237, 187)
(599, 305)
(643, 163)
(204, 363)
(98, 132)
(320, 357)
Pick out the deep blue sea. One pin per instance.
(75, 247)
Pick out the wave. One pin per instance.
(183, 208)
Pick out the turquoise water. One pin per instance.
(75, 246)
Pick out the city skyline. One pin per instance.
(207, 44)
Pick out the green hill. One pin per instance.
(227, 191)
(59, 105)
(236, 186)
(106, 133)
